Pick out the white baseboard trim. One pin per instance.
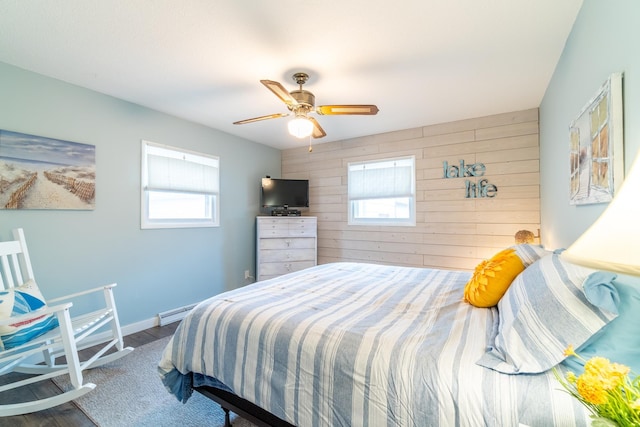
(132, 328)
(129, 329)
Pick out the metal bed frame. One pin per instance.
(247, 410)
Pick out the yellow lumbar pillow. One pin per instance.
(492, 278)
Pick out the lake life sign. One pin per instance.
(472, 189)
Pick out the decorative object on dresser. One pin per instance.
(285, 244)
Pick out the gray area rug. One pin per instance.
(129, 392)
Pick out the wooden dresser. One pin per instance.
(285, 244)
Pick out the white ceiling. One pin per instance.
(421, 61)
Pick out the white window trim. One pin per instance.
(146, 223)
(409, 222)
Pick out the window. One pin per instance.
(179, 188)
(382, 192)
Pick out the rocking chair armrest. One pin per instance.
(35, 314)
(81, 293)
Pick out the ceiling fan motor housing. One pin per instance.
(304, 97)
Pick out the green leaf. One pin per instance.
(602, 422)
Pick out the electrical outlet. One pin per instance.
(247, 274)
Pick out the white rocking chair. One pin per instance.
(25, 354)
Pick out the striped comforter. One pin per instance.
(349, 344)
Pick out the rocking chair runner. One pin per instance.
(32, 330)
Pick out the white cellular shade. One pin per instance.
(170, 170)
(613, 241)
(381, 179)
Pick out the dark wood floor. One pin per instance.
(68, 414)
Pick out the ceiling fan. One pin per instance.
(301, 103)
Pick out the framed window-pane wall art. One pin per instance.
(45, 173)
(596, 146)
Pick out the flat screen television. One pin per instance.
(285, 193)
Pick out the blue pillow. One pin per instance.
(600, 291)
(619, 341)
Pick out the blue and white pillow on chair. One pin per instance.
(16, 302)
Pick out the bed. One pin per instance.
(354, 344)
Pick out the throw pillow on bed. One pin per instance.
(619, 341)
(544, 310)
(492, 278)
(529, 253)
(19, 301)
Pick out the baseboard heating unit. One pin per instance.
(174, 315)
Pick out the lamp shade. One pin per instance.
(613, 241)
(300, 127)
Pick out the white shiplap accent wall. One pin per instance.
(451, 231)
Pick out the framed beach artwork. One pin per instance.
(596, 144)
(45, 173)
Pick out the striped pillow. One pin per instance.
(529, 253)
(543, 311)
(18, 301)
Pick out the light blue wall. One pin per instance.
(604, 40)
(156, 270)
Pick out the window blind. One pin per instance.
(171, 170)
(376, 180)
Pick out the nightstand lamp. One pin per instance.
(613, 242)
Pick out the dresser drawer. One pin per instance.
(289, 226)
(274, 232)
(266, 222)
(287, 255)
(301, 220)
(272, 229)
(287, 243)
(302, 230)
(279, 268)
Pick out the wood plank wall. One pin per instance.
(451, 231)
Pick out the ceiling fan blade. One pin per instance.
(367, 110)
(257, 119)
(318, 132)
(280, 92)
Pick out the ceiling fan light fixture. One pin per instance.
(301, 103)
(300, 127)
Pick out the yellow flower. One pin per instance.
(569, 351)
(615, 375)
(590, 387)
(596, 365)
(606, 389)
(610, 375)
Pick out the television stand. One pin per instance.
(286, 212)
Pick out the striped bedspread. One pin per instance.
(349, 344)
